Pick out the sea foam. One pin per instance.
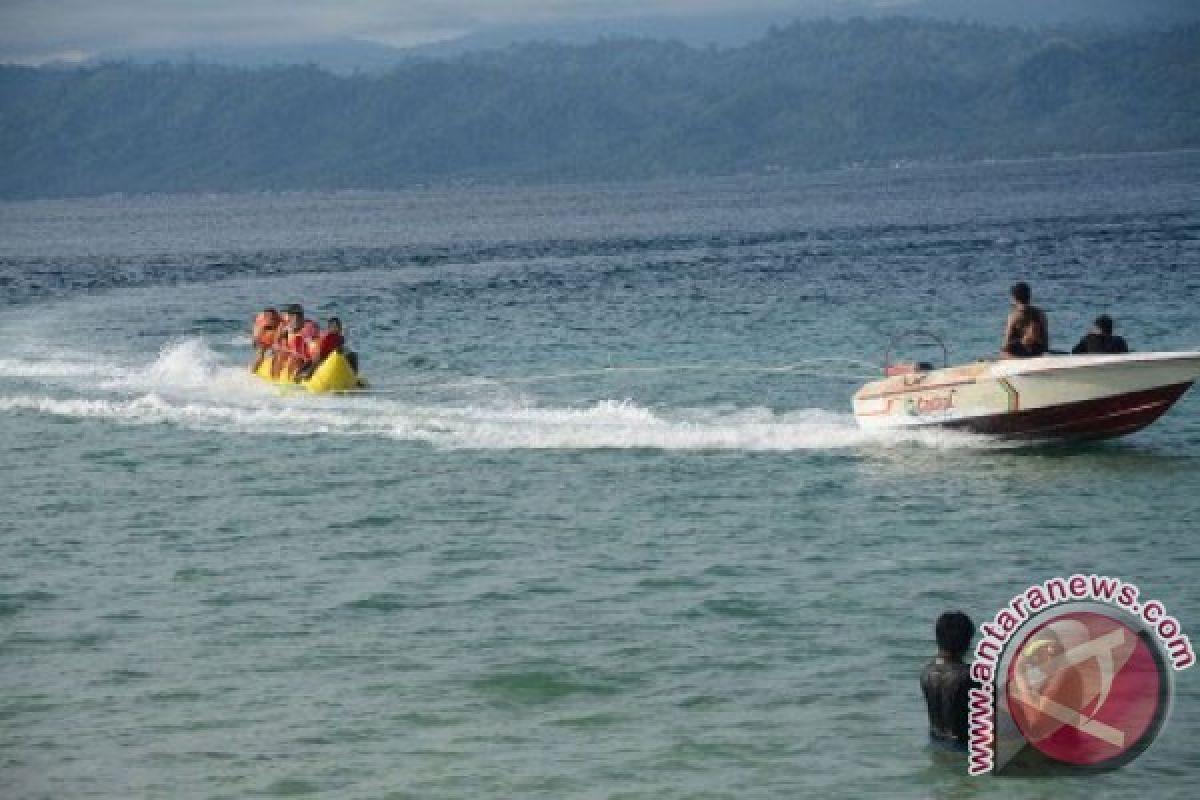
(191, 386)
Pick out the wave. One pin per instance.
(188, 385)
(605, 425)
(37, 369)
(182, 364)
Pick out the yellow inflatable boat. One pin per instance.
(333, 375)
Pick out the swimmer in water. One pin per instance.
(946, 681)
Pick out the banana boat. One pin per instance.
(334, 374)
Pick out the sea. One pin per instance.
(603, 525)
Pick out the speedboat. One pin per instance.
(1063, 397)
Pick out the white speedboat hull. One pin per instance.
(1051, 397)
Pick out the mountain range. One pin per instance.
(811, 95)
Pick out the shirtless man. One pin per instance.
(1026, 332)
(946, 681)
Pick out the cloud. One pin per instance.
(32, 27)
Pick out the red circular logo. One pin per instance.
(1086, 689)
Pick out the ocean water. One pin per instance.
(603, 528)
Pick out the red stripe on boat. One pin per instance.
(1101, 418)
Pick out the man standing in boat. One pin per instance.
(1026, 332)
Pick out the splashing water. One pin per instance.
(189, 385)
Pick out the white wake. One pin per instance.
(190, 386)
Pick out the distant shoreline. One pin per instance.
(805, 99)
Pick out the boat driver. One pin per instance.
(1026, 331)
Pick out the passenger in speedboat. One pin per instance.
(1100, 339)
(1026, 331)
(946, 681)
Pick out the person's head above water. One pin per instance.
(334, 324)
(954, 631)
(1104, 324)
(1021, 293)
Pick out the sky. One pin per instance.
(36, 31)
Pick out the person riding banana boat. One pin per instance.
(290, 349)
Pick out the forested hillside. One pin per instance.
(809, 96)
